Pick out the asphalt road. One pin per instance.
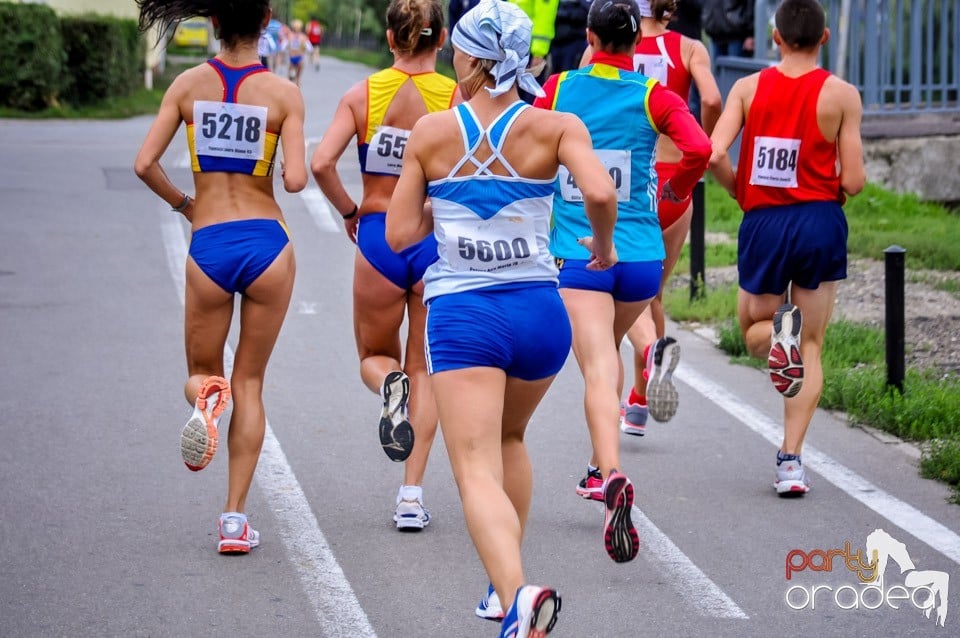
(103, 532)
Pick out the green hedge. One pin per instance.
(105, 58)
(31, 56)
(79, 60)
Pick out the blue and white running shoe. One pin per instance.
(532, 614)
(489, 607)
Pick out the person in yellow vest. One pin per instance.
(543, 14)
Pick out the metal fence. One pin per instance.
(903, 55)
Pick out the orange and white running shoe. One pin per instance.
(198, 438)
(236, 535)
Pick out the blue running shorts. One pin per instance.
(801, 243)
(403, 269)
(626, 281)
(521, 328)
(233, 254)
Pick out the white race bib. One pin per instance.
(617, 164)
(385, 151)
(775, 162)
(496, 244)
(652, 66)
(222, 129)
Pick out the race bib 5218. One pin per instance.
(223, 129)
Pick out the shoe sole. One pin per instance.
(788, 489)
(619, 535)
(546, 607)
(233, 547)
(396, 433)
(632, 430)
(662, 397)
(784, 361)
(199, 437)
(410, 524)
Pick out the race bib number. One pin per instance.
(652, 66)
(497, 244)
(222, 129)
(385, 152)
(617, 164)
(775, 162)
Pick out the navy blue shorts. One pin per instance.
(626, 281)
(522, 329)
(403, 269)
(233, 254)
(802, 243)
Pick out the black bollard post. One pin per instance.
(894, 305)
(698, 232)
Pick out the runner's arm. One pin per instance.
(408, 219)
(710, 99)
(672, 117)
(147, 164)
(575, 151)
(323, 164)
(291, 139)
(849, 145)
(724, 133)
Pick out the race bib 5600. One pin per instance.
(493, 245)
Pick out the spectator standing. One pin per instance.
(457, 8)
(570, 35)
(729, 23)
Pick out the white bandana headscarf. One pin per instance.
(500, 31)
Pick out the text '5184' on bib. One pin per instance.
(775, 162)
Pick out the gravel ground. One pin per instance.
(932, 315)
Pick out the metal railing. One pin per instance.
(903, 55)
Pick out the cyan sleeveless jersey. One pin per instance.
(490, 229)
(614, 105)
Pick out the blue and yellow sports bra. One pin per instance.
(381, 147)
(227, 137)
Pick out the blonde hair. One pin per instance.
(296, 24)
(416, 25)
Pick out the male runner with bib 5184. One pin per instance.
(800, 156)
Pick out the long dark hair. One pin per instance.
(237, 19)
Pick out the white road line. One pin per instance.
(319, 210)
(902, 514)
(696, 589)
(336, 606)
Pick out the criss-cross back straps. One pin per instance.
(496, 134)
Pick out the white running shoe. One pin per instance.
(411, 515)
(489, 607)
(791, 479)
(236, 535)
(532, 614)
(662, 398)
(396, 433)
(199, 437)
(784, 361)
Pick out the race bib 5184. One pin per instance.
(775, 162)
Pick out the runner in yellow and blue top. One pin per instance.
(625, 112)
(235, 112)
(380, 112)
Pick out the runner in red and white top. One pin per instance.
(801, 155)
